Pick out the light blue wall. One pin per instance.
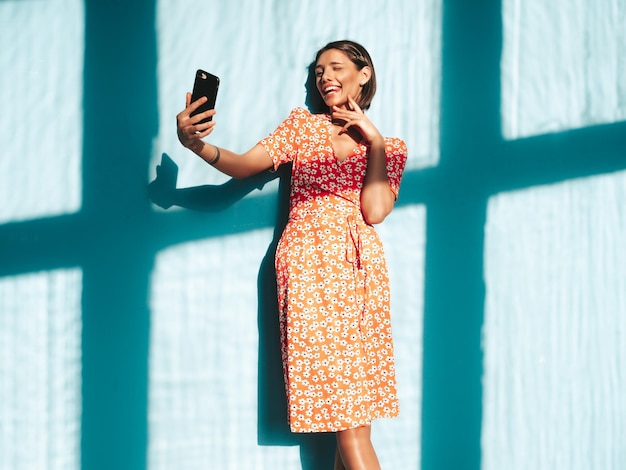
(134, 337)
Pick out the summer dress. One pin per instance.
(333, 287)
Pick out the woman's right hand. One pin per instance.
(187, 128)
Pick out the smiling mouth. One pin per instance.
(330, 90)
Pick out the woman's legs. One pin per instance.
(355, 450)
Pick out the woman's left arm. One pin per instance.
(377, 198)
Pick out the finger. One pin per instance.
(342, 113)
(201, 131)
(355, 106)
(189, 108)
(205, 133)
(196, 104)
(202, 116)
(203, 126)
(346, 126)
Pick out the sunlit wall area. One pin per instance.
(261, 51)
(555, 323)
(40, 370)
(41, 68)
(562, 65)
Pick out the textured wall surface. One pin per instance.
(555, 323)
(133, 337)
(563, 65)
(41, 120)
(40, 354)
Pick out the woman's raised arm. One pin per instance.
(190, 134)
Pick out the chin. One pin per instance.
(338, 103)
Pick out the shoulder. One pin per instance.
(296, 118)
(299, 112)
(304, 114)
(395, 145)
(302, 120)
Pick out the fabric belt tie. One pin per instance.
(353, 242)
(353, 256)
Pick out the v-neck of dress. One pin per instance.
(353, 150)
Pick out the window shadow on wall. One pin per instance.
(477, 164)
(117, 228)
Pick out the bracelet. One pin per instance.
(217, 156)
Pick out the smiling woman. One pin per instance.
(333, 285)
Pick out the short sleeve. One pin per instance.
(282, 145)
(396, 152)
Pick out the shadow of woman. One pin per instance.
(316, 450)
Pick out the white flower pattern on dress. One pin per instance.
(333, 285)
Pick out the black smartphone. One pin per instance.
(205, 84)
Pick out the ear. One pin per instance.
(365, 75)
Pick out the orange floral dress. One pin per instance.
(333, 286)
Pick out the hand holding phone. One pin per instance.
(205, 84)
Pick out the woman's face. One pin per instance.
(337, 78)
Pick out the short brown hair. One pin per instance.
(361, 58)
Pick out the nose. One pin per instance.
(325, 77)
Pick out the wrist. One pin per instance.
(196, 146)
(377, 142)
(216, 158)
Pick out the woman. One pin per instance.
(333, 287)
